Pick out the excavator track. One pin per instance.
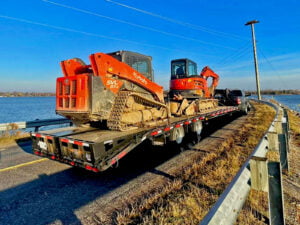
(115, 119)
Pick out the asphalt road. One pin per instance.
(34, 190)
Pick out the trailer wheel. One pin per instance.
(177, 134)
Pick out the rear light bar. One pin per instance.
(80, 143)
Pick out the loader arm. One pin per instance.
(106, 66)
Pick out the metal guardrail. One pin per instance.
(36, 124)
(262, 174)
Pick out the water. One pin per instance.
(18, 109)
(291, 101)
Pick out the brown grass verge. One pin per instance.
(291, 183)
(11, 135)
(187, 198)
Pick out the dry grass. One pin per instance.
(273, 156)
(187, 198)
(11, 135)
(291, 182)
(294, 121)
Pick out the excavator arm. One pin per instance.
(208, 72)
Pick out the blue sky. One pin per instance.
(37, 34)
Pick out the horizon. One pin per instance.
(47, 92)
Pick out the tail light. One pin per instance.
(238, 101)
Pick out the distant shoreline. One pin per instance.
(276, 92)
(26, 94)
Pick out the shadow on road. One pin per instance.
(57, 197)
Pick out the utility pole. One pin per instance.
(252, 22)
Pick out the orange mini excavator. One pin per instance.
(188, 89)
(116, 90)
(186, 82)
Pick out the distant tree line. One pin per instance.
(276, 92)
(25, 94)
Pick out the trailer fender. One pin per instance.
(197, 127)
(177, 134)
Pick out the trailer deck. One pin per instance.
(97, 150)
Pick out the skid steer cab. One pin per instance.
(186, 82)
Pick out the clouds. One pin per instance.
(277, 72)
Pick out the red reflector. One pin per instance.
(167, 129)
(78, 143)
(53, 157)
(201, 118)
(122, 154)
(195, 120)
(178, 125)
(95, 170)
(38, 135)
(155, 132)
(113, 161)
(64, 140)
(88, 167)
(187, 122)
(72, 163)
(213, 114)
(37, 153)
(49, 137)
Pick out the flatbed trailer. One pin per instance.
(97, 150)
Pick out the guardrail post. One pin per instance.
(259, 173)
(276, 203)
(281, 128)
(287, 127)
(278, 126)
(273, 141)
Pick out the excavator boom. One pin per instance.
(208, 72)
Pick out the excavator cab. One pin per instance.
(183, 68)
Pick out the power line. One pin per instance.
(84, 33)
(134, 24)
(237, 55)
(273, 68)
(189, 25)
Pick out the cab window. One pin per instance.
(192, 69)
(178, 69)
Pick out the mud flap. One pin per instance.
(177, 134)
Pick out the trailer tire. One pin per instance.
(177, 134)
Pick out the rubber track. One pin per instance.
(114, 121)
